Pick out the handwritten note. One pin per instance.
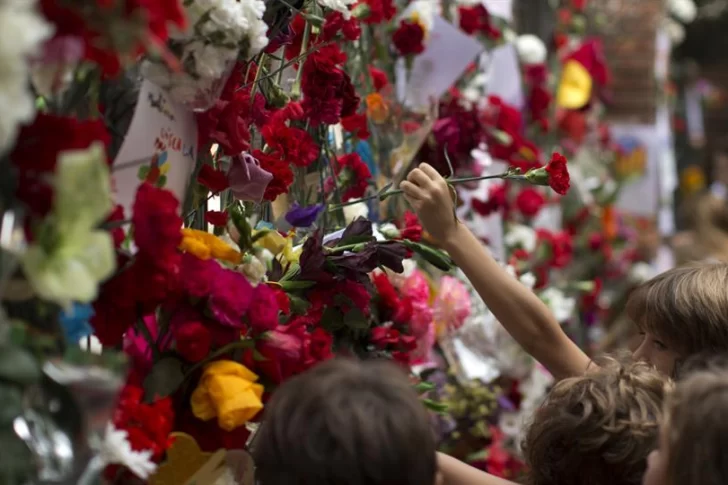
(160, 147)
(448, 53)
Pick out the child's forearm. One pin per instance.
(455, 472)
(516, 307)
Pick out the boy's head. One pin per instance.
(680, 313)
(597, 429)
(693, 447)
(345, 421)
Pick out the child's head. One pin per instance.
(597, 429)
(346, 422)
(681, 312)
(693, 446)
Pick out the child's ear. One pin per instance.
(439, 479)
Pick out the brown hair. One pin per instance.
(696, 429)
(349, 422)
(597, 429)
(686, 306)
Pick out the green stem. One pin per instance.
(296, 90)
(241, 344)
(456, 181)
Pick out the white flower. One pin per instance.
(389, 230)
(22, 32)
(531, 49)
(410, 265)
(423, 12)
(641, 272)
(355, 211)
(684, 10)
(254, 269)
(116, 450)
(528, 280)
(481, 156)
(674, 30)
(521, 236)
(338, 5)
(561, 306)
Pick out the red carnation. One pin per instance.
(354, 175)
(558, 174)
(409, 38)
(539, 101)
(193, 341)
(530, 201)
(378, 11)
(281, 171)
(379, 78)
(213, 179)
(216, 218)
(357, 125)
(157, 225)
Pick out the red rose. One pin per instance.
(409, 38)
(193, 341)
(215, 180)
(263, 311)
(530, 201)
(558, 174)
(216, 218)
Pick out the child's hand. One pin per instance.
(429, 195)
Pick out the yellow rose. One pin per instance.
(205, 245)
(227, 390)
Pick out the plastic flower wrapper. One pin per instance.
(70, 256)
(219, 32)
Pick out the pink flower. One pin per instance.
(452, 305)
(231, 297)
(137, 347)
(417, 288)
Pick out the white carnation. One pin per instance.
(684, 10)
(338, 5)
(531, 49)
(560, 305)
(675, 31)
(521, 236)
(22, 32)
(116, 450)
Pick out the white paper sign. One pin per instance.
(447, 55)
(500, 8)
(504, 76)
(162, 141)
(640, 197)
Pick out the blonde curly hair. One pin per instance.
(597, 429)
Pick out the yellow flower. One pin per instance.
(575, 88)
(377, 108)
(205, 245)
(227, 390)
(277, 244)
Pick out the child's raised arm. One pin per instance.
(518, 309)
(455, 472)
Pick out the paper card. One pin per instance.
(500, 8)
(641, 157)
(663, 49)
(504, 76)
(161, 146)
(694, 116)
(448, 53)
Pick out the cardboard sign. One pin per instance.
(160, 147)
(447, 55)
(639, 167)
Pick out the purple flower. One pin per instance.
(303, 216)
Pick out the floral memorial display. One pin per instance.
(201, 200)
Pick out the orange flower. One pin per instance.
(377, 108)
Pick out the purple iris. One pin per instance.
(303, 216)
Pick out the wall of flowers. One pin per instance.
(201, 200)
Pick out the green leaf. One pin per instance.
(162, 181)
(258, 356)
(437, 407)
(423, 387)
(18, 366)
(435, 257)
(299, 306)
(143, 172)
(356, 320)
(296, 285)
(164, 379)
(332, 319)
